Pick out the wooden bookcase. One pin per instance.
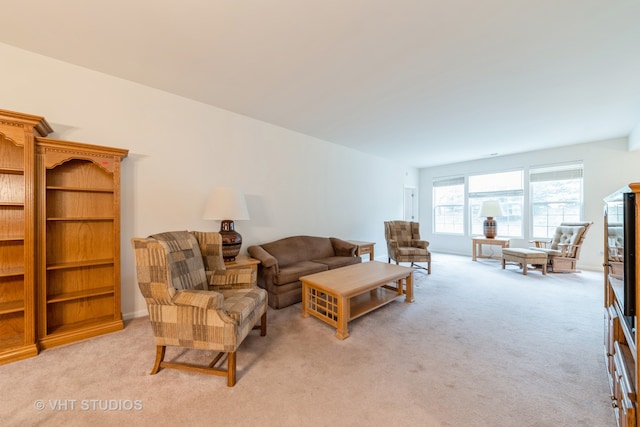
(17, 234)
(59, 238)
(78, 231)
(620, 335)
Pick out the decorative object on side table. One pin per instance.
(226, 205)
(490, 209)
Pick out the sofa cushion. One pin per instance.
(293, 272)
(292, 250)
(338, 261)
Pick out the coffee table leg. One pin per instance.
(304, 300)
(343, 318)
(409, 294)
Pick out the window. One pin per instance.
(508, 189)
(448, 205)
(556, 196)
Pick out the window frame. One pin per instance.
(555, 173)
(450, 181)
(499, 194)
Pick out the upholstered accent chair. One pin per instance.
(563, 250)
(194, 302)
(404, 244)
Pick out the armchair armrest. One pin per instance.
(199, 298)
(266, 259)
(568, 249)
(422, 244)
(541, 243)
(342, 247)
(237, 278)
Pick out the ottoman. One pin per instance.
(524, 257)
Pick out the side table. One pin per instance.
(503, 242)
(243, 261)
(363, 248)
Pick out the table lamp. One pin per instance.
(490, 209)
(226, 205)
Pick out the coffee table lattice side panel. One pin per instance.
(322, 305)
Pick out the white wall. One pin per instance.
(179, 149)
(608, 166)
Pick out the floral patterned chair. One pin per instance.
(193, 301)
(404, 244)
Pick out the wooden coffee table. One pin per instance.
(343, 294)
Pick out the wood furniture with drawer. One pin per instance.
(620, 335)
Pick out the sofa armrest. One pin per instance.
(199, 298)
(266, 259)
(342, 247)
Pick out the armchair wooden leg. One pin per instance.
(263, 325)
(160, 350)
(231, 369)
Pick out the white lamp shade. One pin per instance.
(226, 204)
(491, 209)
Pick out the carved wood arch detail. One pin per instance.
(57, 157)
(4, 137)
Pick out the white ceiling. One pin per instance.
(426, 82)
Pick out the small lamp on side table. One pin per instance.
(490, 209)
(226, 205)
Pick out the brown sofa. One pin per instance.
(284, 261)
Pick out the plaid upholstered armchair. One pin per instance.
(404, 244)
(193, 301)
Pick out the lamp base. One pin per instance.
(490, 228)
(231, 240)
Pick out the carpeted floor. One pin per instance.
(480, 346)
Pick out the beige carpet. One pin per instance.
(479, 347)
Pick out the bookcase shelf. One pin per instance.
(12, 272)
(11, 307)
(70, 296)
(14, 238)
(11, 171)
(83, 219)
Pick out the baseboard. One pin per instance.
(135, 314)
